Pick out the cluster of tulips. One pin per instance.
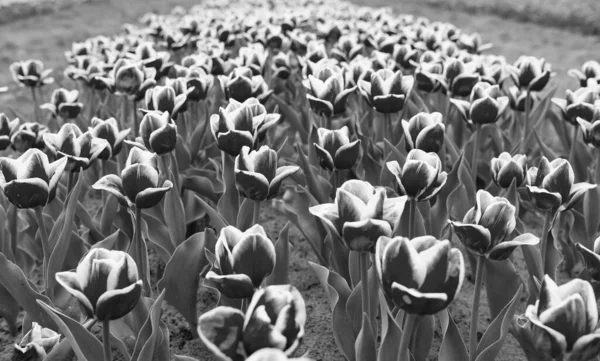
(402, 154)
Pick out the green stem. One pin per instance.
(475, 155)
(475, 313)
(573, 144)
(70, 181)
(124, 114)
(389, 129)
(544, 238)
(407, 331)
(256, 214)
(106, 340)
(136, 120)
(14, 237)
(36, 104)
(104, 172)
(363, 264)
(138, 239)
(412, 210)
(526, 122)
(45, 247)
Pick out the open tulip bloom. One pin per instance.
(486, 104)
(7, 127)
(424, 131)
(334, 150)
(507, 168)
(327, 91)
(421, 177)
(31, 73)
(28, 135)
(577, 104)
(64, 104)
(37, 342)
(530, 73)
(387, 91)
(81, 149)
(109, 130)
(158, 132)
(589, 70)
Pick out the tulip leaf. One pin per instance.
(490, 344)
(182, 276)
(88, 222)
(453, 347)
(317, 185)
(501, 282)
(535, 269)
(174, 217)
(365, 346)
(109, 212)
(153, 340)
(61, 352)
(183, 358)
(591, 210)
(14, 281)
(86, 345)
(245, 215)
(117, 241)
(155, 231)
(280, 274)
(546, 151)
(201, 184)
(217, 221)
(422, 339)
(229, 203)
(391, 335)
(439, 212)
(9, 309)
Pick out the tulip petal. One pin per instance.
(234, 286)
(325, 158)
(586, 291)
(362, 235)
(414, 301)
(328, 213)
(568, 318)
(252, 185)
(347, 155)
(150, 197)
(544, 200)
(282, 173)
(260, 333)
(112, 184)
(27, 193)
(114, 304)
(221, 331)
(475, 238)
(504, 249)
(350, 207)
(71, 282)
(577, 192)
(586, 347)
(254, 256)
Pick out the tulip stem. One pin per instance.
(136, 120)
(544, 240)
(412, 210)
(36, 105)
(124, 113)
(45, 247)
(256, 214)
(526, 122)
(389, 129)
(475, 155)
(106, 340)
(363, 264)
(573, 144)
(475, 313)
(70, 181)
(410, 321)
(14, 237)
(139, 257)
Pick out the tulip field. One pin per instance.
(299, 180)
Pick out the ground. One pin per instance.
(47, 37)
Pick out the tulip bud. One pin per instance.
(335, 151)
(387, 91)
(200, 82)
(7, 127)
(158, 132)
(327, 91)
(421, 276)
(108, 130)
(128, 79)
(531, 73)
(486, 103)
(106, 284)
(428, 77)
(505, 169)
(421, 177)
(31, 73)
(424, 131)
(517, 98)
(242, 261)
(36, 343)
(242, 85)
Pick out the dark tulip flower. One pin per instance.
(199, 82)
(7, 127)
(327, 91)
(421, 276)
(243, 85)
(130, 79)
(109, 130)
(31, 73)
(37, 343)
(531, 73)
(28, 135)
(334, 150)
(429, 78)
(486, 104)
(421, 177)
(81, 149)
(105, 283)
(64, 104)
(165, 99)
(242, 261)
(506, 168)
(591, 129)
(577, 104)
(424, 131)
(592, 264)
(158, 132)
(31, 180)
(589, 70)
(460, 77)
(517, 98)
(387, 91)
(139, 183)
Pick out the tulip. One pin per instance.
(31, 73)
(36, 343)
(334, 150)
(472, 43)
(424, 131)
(405, 56)
(360, 214)
(273, 354)
(131, 79)
(108, 129)
(81, 149)
(242, 261)
(387, 91)
(165, 99)
(551, 185)
(256, 174)
(327, 91)
(158, 132)
(27, 136)
(589, 70)
(422, 276)
(64, 104)
(428, 77)
(517, 97)
(591, 129)
(563, 323)
(200, 82)
(31, 180)
(243, 85)
(578, 104)
(421, 177)
(530, 73)
(7, 127)
(139, 181)
(241, 124)
(105, 283)
(592, 264)
(505, 169)
(460, 77)
(485, 105)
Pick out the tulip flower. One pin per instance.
(421, 177)
(27, 136)
(256, 174)
(274, 320)
(591, 129)
(421, 276)
(592, 264)
(81, 149)
(139, 182)
(165, 99)
(387, 91)
(36, 343)
(517, 97)
(460, 77)
(273, 354)
(200, 82)
(130, 79)
(242, 261)
(505, 169)
(589, 70)
(360, 214)
(108, 129)
(241, 124)
(327, 91)
(7, 127)
(551, 185)
(424, 131)
(472, 43)
(563, 323)
(105, 283)
(530, 73)
(429, 78)
(31, 73)
(405, 56)
(578, 104)
(30, 181)
(334, 150)
(243, 85)
(486, 104)
(64, 104)
(158, 132)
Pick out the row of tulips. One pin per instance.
(380, 137)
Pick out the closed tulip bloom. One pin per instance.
(109, 130)
(589, 70)
(485, 106)
(257, 176)
(421, 177)
(81, 149)
(360, 214)
(198, 80)
(577, 104)
(28, 135)
(7, 127)
(242, 261)
(128, 79)
(158, 132)
(273, 354)
(387, 91)
(31, 73)
(64, 104)
(563, 323)
(591, 129)
(421, 276)
(424, 131)
(592, 264)
(486, 227)
(243, 85)
(105, 283)
(517, 98)
(460, 78)
(551, 185)
(327, 91)
(335, 151)
(531, 73)
(506, 168)
(429, 78)
(36, 343)
(30, 181)
(139, 183)
(165, 99)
